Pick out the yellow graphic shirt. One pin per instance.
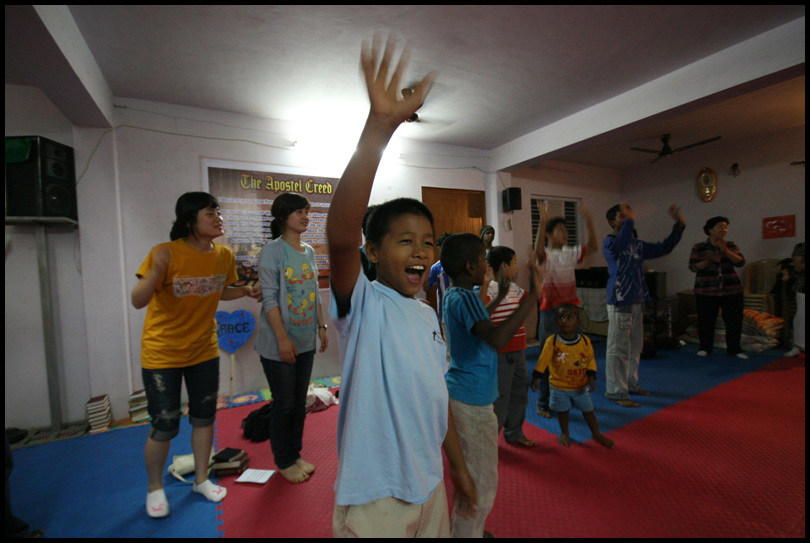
(568, 363)
(180, 329)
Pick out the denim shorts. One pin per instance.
(562, 400)
(163, 388)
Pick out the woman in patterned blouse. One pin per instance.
(717, 286)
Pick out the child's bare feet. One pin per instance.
(294, 474)
(564, 440)
(602, 440)
(545, 413)
(305, 466)
(524, 441)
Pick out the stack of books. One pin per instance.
(137, 406)
(99, 413)
(229, 462)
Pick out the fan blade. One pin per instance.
(644, 150)
(691, 145)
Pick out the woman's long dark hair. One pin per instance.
(186, 209)
(283, 206)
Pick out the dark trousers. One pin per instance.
(707, 308)
(513, 394)
(288, 385)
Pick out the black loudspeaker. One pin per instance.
(656, 284)
(511, 199)
(40, 179)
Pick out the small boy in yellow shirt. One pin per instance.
(569, 359)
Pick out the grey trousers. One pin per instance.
(625, 341)
(513, 394)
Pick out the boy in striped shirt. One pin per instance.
(513, 378)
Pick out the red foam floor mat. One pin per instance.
(279, 508)
(727, 463)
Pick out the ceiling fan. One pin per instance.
(666, 150)
(415, 118)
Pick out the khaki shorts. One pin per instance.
(391, 517)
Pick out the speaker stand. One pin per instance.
(57, 430)
(48, 331)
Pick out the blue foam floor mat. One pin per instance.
(107, 474)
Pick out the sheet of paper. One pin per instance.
(260, 476)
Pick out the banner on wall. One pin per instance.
(246, 196)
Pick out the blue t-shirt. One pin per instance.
(473, 374)
(392, 417)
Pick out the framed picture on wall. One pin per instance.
(779, 227)
(246, 192)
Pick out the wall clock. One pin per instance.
(706, 184)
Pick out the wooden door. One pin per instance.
(455, 210)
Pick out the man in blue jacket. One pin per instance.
(626, 294)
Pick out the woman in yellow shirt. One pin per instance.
(181, 283)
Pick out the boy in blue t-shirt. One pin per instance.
(472, 380)
(390, 471)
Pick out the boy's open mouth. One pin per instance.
(414, 274)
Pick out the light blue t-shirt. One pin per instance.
(473, 374)
(392, 417)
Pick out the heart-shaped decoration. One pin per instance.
(234, 329)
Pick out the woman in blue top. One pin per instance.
(286, 341)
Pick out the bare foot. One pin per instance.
(564, 440)
(305, 466)
(524, 441)
(545, 413)
(602, 440)
(294, 474)
(625, 403)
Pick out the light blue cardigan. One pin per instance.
(274, 293)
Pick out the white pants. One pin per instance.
(477, 428)
(625, 341)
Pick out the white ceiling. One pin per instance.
(503, 71)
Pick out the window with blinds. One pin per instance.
(566, 209)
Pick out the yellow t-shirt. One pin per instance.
(180, 329)
(568, 363)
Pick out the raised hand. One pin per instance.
(675, 212)
(387, 102)
(627, 212)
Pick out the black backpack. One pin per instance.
(256, 426)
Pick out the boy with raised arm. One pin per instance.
(390, 469)
(472, 379)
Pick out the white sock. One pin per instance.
(157, 506)
(213, 492)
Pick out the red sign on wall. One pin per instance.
(779, 227)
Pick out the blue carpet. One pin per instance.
(671, 377)
(108, 476)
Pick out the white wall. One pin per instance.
(29, 112)
(130, 178)
(767, 187)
